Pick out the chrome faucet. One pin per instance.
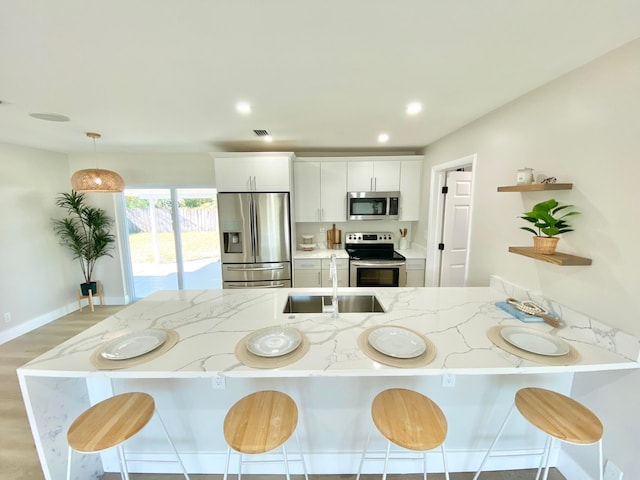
(333, 274)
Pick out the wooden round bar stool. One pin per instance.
(110, 423)
(259, 423)
(409, 420)
(560, 417)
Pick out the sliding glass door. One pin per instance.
(172, 237)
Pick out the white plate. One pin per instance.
(134, 344)
(307, 246)
(397, 342)
(274, 341)
(534, 341)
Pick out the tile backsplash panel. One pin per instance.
(582, 327)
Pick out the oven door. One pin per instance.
(377, 273)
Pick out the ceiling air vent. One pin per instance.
(262, 133)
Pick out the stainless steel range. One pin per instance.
(373, 262)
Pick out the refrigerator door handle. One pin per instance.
(275, 285)
(256, 230)
(255, 269)
(252, 216)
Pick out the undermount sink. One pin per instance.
(322, 303)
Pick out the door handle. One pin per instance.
(276, 285)
(254, 269)
(377, 264)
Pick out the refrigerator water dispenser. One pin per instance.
(232, 242)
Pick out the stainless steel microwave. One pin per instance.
(373, 205)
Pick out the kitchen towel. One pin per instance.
(524, 317)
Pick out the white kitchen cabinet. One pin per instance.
(253, 173)
(314, 272)
(320, 191)
(410, 184)
(343, 272)
(373, 176)
(307, 273)
(415, 272)
(306, 188)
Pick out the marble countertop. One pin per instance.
(211, 322)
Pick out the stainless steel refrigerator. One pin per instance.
(255, 239)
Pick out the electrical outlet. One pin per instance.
(448, 380)
(612, 472)
(219, 382)
(7, 317)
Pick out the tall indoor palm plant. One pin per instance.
(86, 232)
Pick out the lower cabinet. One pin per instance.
(415, 272)
(314, 273)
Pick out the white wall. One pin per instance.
(39, 279)
(582, 129)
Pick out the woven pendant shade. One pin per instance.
(96, 179)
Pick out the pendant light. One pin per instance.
(96, 179)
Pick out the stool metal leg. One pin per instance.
(444, 462)
(226, 463)
(495, 440)
(286, 462)
(386, 460)
(600, 466)
(304, 465)
(173, 447)
(547, 457)
(123, 464)
(424, 464)
(69, 464)
(542, 457)
(364, 452)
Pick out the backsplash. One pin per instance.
(393, 226)
(581, 327)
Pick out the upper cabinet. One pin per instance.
(373, 176)
(410, 184)
(320, 190)
(253, 173)
(321, 184)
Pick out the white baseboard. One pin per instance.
(25, 327)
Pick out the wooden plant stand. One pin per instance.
(90, 298)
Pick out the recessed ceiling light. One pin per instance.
(243, 107)
(267, 138)
(383, 137)
(414, 108)
(49, 117)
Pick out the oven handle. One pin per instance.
(359, 263)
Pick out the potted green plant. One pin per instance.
(548, 223)
(86, 232)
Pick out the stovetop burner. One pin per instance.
(371, 246)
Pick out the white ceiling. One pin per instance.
(165, 75)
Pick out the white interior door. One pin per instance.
(455, 229)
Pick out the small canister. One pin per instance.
(525, 176)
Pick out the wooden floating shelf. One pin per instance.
(563, 259)
(536, 187)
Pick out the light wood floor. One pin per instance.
(18, 457)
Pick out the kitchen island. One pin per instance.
(197, 380)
